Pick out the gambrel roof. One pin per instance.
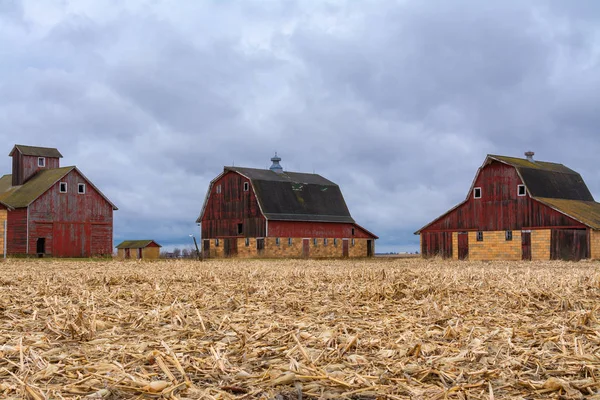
(552, 184)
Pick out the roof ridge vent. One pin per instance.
(529, 155)
(275, 167)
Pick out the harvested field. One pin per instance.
(367, 329)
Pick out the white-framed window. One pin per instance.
(81, 188)
(41, 161)
(247, 242)
(353, 242)
(289, 241)
(277, 241)
(246, 186)
(216, 242)
(521, 190)
(477, 193)
(62, 187)
(325, 242)
(218, 190)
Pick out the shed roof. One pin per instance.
(295, 196)
(136, 244)
(36, 151)
(24, 195)
(586, 212)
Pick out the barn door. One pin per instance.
(127, 253)
(463, 245)
(140, 253)
(305, 248)
(345, 248)
(40, 247)
(369, 248)
(230, 247)
(526, 245)
(569, 244)
(206, 248)
(260, 245)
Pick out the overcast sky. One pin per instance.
(396, 101)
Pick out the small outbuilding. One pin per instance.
(138, 250)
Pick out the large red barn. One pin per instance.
(51, 210)
(252, 212)
(518, 209)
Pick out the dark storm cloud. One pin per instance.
(398, 102)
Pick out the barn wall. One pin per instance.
(540, 244)
(283, 250)
(151, 253)
(455, 245)
(233, 206)
(24, 167)
(594, 244)
(569, 244)
(437, 244)
(17, 231)
(495, 246)
(499, 207)
(81, 224)
(3, 218)
(315, 229)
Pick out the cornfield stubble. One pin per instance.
(365, 329)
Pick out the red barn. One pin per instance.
(271, 213)
(52, 210)
(518, 209)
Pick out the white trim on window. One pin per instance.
(475, 192)
(62, 187)
(41, 161)
(81, 188)
(524, 191)
(218, 190)
(246, 186)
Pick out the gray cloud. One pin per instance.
(398, 102)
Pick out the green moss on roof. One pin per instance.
(524, 163)
(23, 195)
(36, 151)
(586, 212)
(136, 244)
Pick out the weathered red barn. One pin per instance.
(53, 210)
(518, 209)
(271, 213)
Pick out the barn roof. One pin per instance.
(586, 212)
(136, 244)
(36, 151)
(24, 195)
(548, 180)
(294, 196)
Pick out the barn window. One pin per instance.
(41, 161)
(81, 188)
(277, 241)
(353, 242)
(335, 242)
(315, 241)
(508, 235)
(352, 231)
(218, 189)
(247, 242)
(240, 229)
(246, 186)
(521, 190)
(480, 236)
(216, 242)
(477, 193)
(325, 242)
(289, 241)
(63, 187)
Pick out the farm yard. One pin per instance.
(292, 329)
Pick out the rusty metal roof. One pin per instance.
(136, 244)
(548, 180)
(36, 151)
(23, 195)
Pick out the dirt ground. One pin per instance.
(385, 328)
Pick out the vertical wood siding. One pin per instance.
(81, 223)
(315, 229)
(17, 231)
(569, 244)
(233, 206)
(436, 244)
(499, 207)
(24, 167)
